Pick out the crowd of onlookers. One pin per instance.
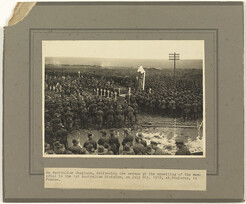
(110, 145)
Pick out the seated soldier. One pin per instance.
(110, 152)
(59, 148)
(138, 147)
(101, 150)
(76, 148)
(182, 149)
(90, 149)
(154, 145)
(48, 149)
(128, 139)
(128, 150)
(103, 140)
(148, 150)
(90, 141)
(143, 142)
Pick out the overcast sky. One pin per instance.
(124, 49)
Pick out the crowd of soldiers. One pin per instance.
(68, 108)
(111, 146)
(183, 100)
(74, 102)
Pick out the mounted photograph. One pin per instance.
(123, 98)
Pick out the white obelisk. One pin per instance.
(142, 71)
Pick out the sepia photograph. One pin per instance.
(123, 98)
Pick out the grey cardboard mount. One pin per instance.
(219, 24)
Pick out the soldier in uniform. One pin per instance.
(114, 143)
(163, 107)
(130, 116)
(90, 141)
(103, 140)
(62, 135)
(157, 150)
(101, 151)
(69, 120)
(152, 105)
(49, 135)
(135, 110)
(127, 150)
(182, 149)
(76, 148)
(143, 142)
(128, 139)
(119, 118)
(84, 117)
(195, 110)
(99, 118)
(187, 111)
(148, 150)
(172, 106)
(110, 117)
(54, 123)
(138, 146)
(125, 111)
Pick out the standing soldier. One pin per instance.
(199, 109)
(99, 118)
(187, 111)
(130, 116)
(62, 136)
(69, 119)
(119, 117)
(125, 111)
(152, 105)
(172, 106)
(135, 110)
(163, 107)
(49, 135)
(195, 109)
(84, 117)
(54, 123)
(92, 110)
(110, 117)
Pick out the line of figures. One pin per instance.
(111, 146)
(109, 93)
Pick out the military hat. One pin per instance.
(101, 150)
(140, 135)
(57, 144)
(75, 141)
(149, 150)
(128, 149)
